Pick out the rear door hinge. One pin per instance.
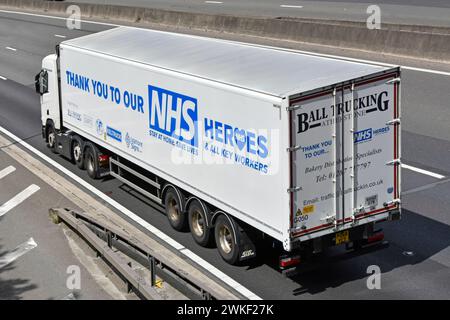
(393, 81)
(294, 148)
(394, 162)
(393, 122)
(294, 189)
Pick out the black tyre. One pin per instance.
(90, 163)
(77, 153)
(198, 223)
(174, 212)
(226, 240)
(51, 138)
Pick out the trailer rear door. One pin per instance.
(344, 163)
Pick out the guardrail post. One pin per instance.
(109, 238)
(152, 270)
(205, 295)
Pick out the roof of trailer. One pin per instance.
(271, 71)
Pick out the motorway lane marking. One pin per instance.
(60, 36)
(444, 73)
(11, 49)
(171, 242)
(290, 6)
(18, 199)
(17, 252)
(3, 78)
(422, 171)
(214, 2)
(6, 171)
(425, 187)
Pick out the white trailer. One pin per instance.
(235, 140)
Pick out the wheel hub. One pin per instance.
(225, 239)
(198, 223)
(173, 212)
(51, 139)
(77, 152)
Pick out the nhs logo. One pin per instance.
(173, 114)
(363, 135)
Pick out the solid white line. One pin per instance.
(17, 252)
(7, 171)
(18, 199)
(232, 283)
(60, 36)
(290, 6)
(422, 171)
(444, 73)
(3, 78)
(9, 48)
(219, 274)
(214, 2)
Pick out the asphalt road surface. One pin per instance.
(416, 265)
(36, 259)
(422, 12)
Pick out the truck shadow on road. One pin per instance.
(412, 241)
(12, 289)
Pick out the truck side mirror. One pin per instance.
(41, 82)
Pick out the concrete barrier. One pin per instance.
(432, 43)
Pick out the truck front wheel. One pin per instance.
(226, 240)
(51, 138)
(77, 153)
(174, 211)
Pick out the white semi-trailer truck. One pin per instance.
(238, 142)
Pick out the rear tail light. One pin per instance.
(376, 237)
(103, 160)
(288, 262)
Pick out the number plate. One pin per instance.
(342, 237)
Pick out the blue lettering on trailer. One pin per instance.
(173, 114)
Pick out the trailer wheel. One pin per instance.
(51, 138)
(198, 223)
(174, 212)
(77, 153)
(90, 163)
(225, 235)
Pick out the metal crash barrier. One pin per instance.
(85, 225)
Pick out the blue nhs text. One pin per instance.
(173, 114)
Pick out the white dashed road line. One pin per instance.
(6, 171)
(3, 78)
(60, 36)
(291, 6)
(17, 253)
(422, 171)
(214, 2)
(18, 199)
(443, 73)
(10, 48)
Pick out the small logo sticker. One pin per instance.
(308, 209)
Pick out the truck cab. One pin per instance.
(46, 84)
